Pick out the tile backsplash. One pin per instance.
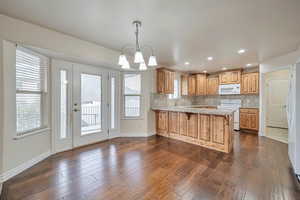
(163, 100)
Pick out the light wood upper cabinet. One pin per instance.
(249, 118)
(165, 81)
(184, 84)
(230, 77)
(201, 84)
(174, 122)
(250, 83)
(192, 85)
(212, 85)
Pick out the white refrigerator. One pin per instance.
(293, 116)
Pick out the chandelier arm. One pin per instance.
(149, 47)
(137, 37)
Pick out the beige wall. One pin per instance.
(66, 46)
(17, 151)
(145, 125)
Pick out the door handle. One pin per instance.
(76, 110)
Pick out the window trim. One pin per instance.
(141, 116)
(45, 124)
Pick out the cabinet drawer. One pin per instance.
(249, 110)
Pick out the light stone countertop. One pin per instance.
(192, 109)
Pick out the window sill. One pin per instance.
(34, 132)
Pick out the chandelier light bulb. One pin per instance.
(122, 60)
(126, 65)
(138, 57)
(143, 66)
(152, 61)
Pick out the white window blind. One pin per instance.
(31, 86)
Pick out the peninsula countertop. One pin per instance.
(201, 109)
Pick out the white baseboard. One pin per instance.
(15, 171)
(136, 134)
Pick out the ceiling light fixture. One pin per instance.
(205, 71)
(138, 55)
(249, 65)
(186, 63)
(241, 51)
(210, 58)
(224, 68)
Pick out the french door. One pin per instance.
(84, 100)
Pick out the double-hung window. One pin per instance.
(132, 95)
(31, 89)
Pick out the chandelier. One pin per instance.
(138, 56)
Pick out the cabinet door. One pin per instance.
(169, 82)
(184, 85)
(213, 86)
(162, 121)
(245, 83)
(224, 77)
(191, 85)
(183, 118)
(174, 122)
(193, 125)
(160, 81)
(253, 121)
(217, 127)
(235, 77)
(201, 84)
(244, 121)
(254, 83)
(203, 127)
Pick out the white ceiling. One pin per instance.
(179, 31)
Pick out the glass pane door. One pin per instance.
(90, 113)
(90, 104)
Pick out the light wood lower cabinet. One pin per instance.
(183, 120)
(210, 131)
(174, 123)
(249, 118)
(162, 123)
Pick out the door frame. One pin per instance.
(112, 133)
(262, 97)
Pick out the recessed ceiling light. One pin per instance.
(249, 65)
(241, 51)
(224, 68)
(186, 63)
(210, 58)
(204, 71)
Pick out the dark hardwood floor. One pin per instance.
(160, 168)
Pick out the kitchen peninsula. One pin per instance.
(206, 126)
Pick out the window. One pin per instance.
(31, 88)
(132, 95)
(175, 95)
(112, 103)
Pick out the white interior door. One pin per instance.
(85, 105)
(90, 109)
(276, 106)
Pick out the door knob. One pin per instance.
(76, 110)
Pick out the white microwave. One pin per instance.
(229, 89)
